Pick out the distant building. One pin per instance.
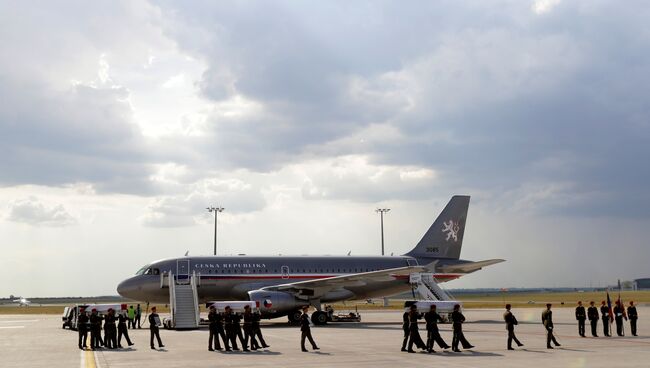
(642, 284)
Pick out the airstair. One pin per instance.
(426, 286)
(183, 298)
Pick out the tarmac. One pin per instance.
(39, 341)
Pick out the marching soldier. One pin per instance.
(110, 333)
(619, 314)
(547, 320)
(457, 320)
(433, 334)
(154, 329)
(82, 327)
(604, 313)
(592, 314)
(511, 322)
(95, 330)
(122, 329)
(216, 330)
(405, 328)
(632, 314)
(305, 330)
(248, 329)
(257, 330)
(237, 332)
(581, 316)
(233, 330)
(414, 331)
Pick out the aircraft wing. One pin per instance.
(468, 267)
(320, 287)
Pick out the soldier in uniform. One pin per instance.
(632, 314)
(122, 329)
(154, 329)
(511, 322)
(414, 331)
(110, 332)
(231, 331)
(457, 320)
(619, 314)
(433, 334)
(547, 320)
(248, 328)
(82, 327)
(581, 316)
(604, 312)
(257, 330)
(236, 320)
(95, 330)
(215, 321)
(592, 314)
(305, 330)
(405, 328)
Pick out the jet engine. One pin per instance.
(275, 303)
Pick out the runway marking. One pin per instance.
(89, 358)
(20, 321)
(7, 327)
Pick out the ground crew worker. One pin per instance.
(414, 331)
(405, 328)
(138, 316)
(110, 332)
(632, 314)
(257, 330)
(433, 334)
(231, 332)
(131, 315)
(511, 322)
(154, 328)
(457, 320)
(547, 320)
(604, 312)
(619, 314)
(82, 327)
(592, 314)
(248, 328)
(581, 316)
(122, 329)
(95, 330)
(305, 330)
(215, 330)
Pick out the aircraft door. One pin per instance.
(285, 272)
(183, 270)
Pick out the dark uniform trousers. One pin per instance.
(581, 318)
(547, 320)
(248, 331)
(110, 332)
(95, 331)
(257, 331)
(457, 325)
(433, 335)
(154, 331)
(414, 332)
(405, 328)
(305, 332)
(215, 333)
(604, 311)
(82, 327)
(592, 313)
(633, 316)
(122, 330)
(618, 317)
(511, 321)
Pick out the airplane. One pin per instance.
(22, 302)
(281, 285)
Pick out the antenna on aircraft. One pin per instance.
(350, 252)
(187, 253)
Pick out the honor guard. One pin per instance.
(82, 327)
(110, 332)
(511, 322)
(592, 314)
(457, 320)
(216, 331)
(154, 329)
(233, 330)
(305, 330)
(581, 316)
(405, 328)
(619, 314)
(95, 330)
(257, 330)
(122, 329)
(237, 332)
(633, 316)
(604, 313)
(547, 320)
(433, 334)
(248, 329)
(414, 331)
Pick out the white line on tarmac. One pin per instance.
(6, 327)
(20, 321)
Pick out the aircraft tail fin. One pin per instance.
(444, 238)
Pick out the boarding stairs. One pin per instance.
(427, 287)
(183, 300)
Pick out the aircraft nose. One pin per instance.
(127, 288)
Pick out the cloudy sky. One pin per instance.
(121, 121)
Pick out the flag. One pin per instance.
(609, 308)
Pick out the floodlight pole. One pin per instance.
(381, 212)
(216, 210)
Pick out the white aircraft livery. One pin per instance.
(281, 285)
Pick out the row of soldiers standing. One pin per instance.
(93, 324)
(619, 314)
(227, 327)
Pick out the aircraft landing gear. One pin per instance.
(294, 316)
(319, 318)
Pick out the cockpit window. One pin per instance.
(155, 271)
(142, 270)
